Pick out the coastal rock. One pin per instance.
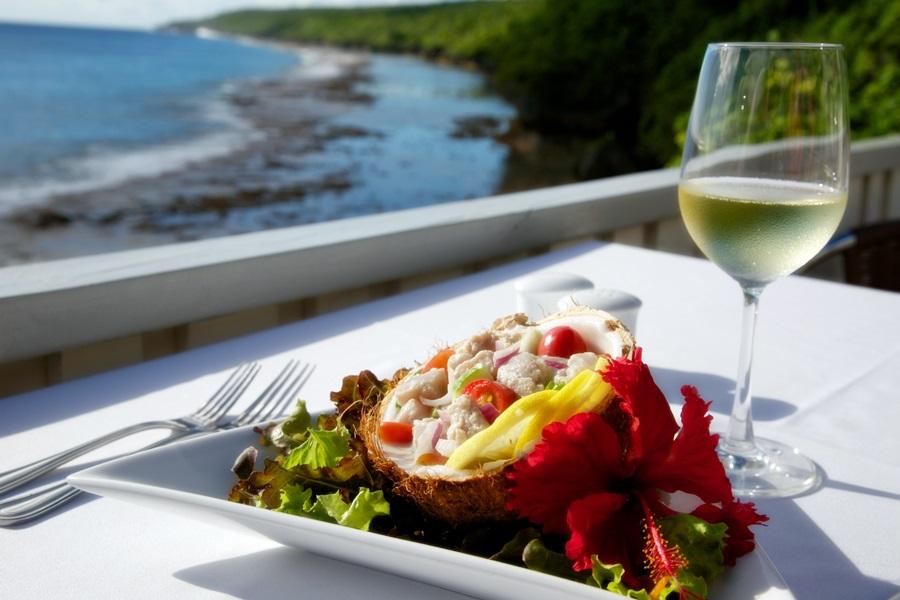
(476, 127)
(44, 218)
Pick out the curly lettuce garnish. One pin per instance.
(318, 474)
(332, 508)
(321, 448)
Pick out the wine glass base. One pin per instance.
(769, 470)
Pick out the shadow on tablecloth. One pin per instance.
(290, 573)
(811, 564)
(720, 391)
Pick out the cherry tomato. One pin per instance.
(439, 360)
(392, 432)
(491, 392)
(561, 341)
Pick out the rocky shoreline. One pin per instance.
(284, 177)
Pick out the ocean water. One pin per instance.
(83, 108)
(123, 139)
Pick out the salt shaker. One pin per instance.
(538, 294)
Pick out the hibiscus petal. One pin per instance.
(574, 459)
(739, 516)
(655, 426)
(609, 526)
(692, 464)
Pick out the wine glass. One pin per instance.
(763, 187)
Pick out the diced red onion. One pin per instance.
(501, 357)
(489, 412)
(555, 363)
(438, 432)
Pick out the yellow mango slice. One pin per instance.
(592, 394)
(518, 428)
(498, 441)
(586, 392)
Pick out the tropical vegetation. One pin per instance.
(619, 75)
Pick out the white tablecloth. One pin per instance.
(826, 379)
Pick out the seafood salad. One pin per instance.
(462, 390)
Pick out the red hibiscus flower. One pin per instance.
(601, 479)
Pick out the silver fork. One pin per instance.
(204, 418)
(270, 403)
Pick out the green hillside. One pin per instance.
(458, 31)
(619, 74)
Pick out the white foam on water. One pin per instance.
(108, 168)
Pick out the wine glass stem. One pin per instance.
(739, 438)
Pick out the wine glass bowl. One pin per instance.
(763, 187)
(759, 230)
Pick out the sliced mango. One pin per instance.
(518, 429)
(498, 441)
(592, 394)
(586, 393)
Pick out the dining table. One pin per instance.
(826, 379)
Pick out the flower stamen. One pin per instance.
(662, 559)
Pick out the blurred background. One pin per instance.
(138, 123)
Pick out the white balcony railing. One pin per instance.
(48, 309)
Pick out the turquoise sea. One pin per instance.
(77, 101)
(118, 139)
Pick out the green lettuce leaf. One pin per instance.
(685, 582)
(357, 514)
(700, 543)
(514, 549)
(365, 507)
(295, 500)
(538, 557)
(609, 577)
(298, 500)
(323, 448)
(298, 422)
(333, 505)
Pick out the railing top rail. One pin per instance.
(49, 306)
(36, 278)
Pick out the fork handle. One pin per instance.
(45, 499)
(17, 477)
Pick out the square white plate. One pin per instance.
(193, 478)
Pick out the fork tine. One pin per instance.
(217, 412)
(222, 391)
(289, 395)
(275, 397)
(202, 419)
(248, 414)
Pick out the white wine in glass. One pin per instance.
(763, 188)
